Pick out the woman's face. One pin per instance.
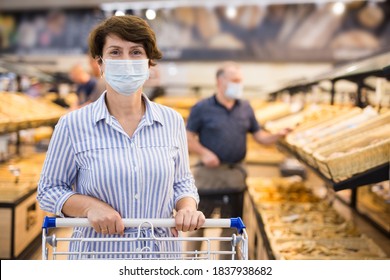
(117, 48)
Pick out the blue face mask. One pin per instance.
(126, 76)
(234, 90)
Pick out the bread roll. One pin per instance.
(355, 39)
(371, 16)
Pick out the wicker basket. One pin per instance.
(302, 134)
(309, 149)
(272, 111)
(330, 128)
(338, 163)
(310, 116)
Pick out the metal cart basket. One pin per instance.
(141, 246)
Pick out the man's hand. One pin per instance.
(284, 132)
(210, 159)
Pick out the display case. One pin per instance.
(349, 152)
(24, 124)
(288, 220)
(353, 149)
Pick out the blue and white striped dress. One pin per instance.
(142, 176)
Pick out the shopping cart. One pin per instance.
(141, 246)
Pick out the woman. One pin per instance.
(125, 156)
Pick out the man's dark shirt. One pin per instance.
(221, 130)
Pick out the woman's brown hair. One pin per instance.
(129, 28)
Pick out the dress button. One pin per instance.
(136, 196)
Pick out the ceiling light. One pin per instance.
(119, 13)
(231, 12)
(338, 8)
(150, 14)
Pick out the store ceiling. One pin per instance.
(137, 4)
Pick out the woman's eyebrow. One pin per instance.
(120, 47)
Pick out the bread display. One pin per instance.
(310, 116)
(356, 38)
(262, 154)
(354, 154)
(300, 225)
(349, 143)
(25, 111)
(19, 176)
(372, 123)
(272, 111)
(306, 134)
(329, 217)
(336, 248)
(280, 190)
(313, 231)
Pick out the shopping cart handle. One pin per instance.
(237, 223)
(54, 222)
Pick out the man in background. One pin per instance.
(217, 130)
(88, 87)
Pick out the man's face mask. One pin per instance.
(126, 76)
(234, 90)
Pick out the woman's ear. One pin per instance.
(99, 62)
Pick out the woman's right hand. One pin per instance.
(105, 219)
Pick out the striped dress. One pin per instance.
(142, 176)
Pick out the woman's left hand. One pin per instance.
(188, 219)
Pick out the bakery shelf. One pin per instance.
(377, 174)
